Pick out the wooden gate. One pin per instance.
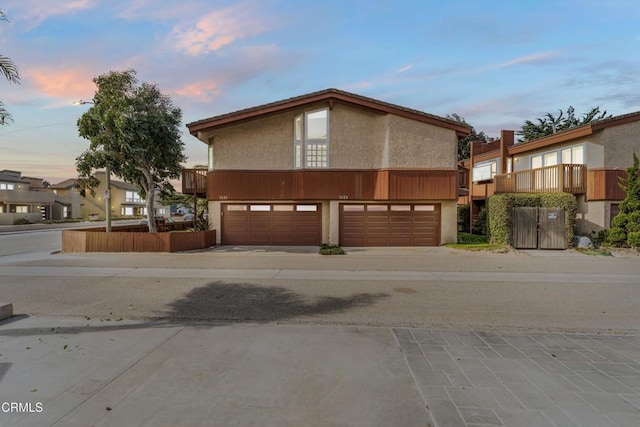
(538, 228)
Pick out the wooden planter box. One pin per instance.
(93, 240)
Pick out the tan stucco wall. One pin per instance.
(358, 139)
(591, 216)
(620, 142)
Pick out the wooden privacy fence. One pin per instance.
(539, 228)
(91, 240)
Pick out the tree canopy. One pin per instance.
(134, 131)
(550, 123)
(10, 71)
(464, 144)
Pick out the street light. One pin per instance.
(107, 183)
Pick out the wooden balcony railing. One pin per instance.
(194, 181)
(550, 179)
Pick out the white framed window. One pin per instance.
(551, 159)
(236, 208)
(4, 186)
(485, 171)
(536, 162)
(1, 209)
(132, 197)
(283, 208)
(353, 208)
(311, 139)
(306, 208)
(377, 208)
(127, 210)
(573, 155)
(400, 208)
(65, 211)
(22, 209)
(260, 208)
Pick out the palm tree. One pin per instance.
(10, 71)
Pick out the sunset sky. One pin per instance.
(496, 63)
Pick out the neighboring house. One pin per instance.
(125, 200)
(586, 161)
(69, 191)
(329, 167)
(25, 198)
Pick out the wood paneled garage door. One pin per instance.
(390, 224)
(271, 224)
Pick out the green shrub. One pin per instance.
(21, 221)
(466, 238)
(616, 236)
(464, 218)
(500, 210)
(331, 250)
(480, 224)
(633, 239)
(620, 220)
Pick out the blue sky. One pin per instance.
(496, 63)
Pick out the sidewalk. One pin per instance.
(72, 372)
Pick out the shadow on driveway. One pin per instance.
(241, 302)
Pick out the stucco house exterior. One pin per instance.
(329, 167)
(586, 161)
(125, 200)
(26, 198)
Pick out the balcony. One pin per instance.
(194, 181)
(604, 184)
(385, 184)
(561, 178)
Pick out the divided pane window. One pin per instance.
(311, 139)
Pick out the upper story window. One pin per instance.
(573, 155)
(132, 197)
(311, 139)
(485, 171)
(4, 186)
(567, 155)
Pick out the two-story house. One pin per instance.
(329, 167)
(124, 199)
(586, 161)
(25, 198)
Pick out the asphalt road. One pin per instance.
(416, 287)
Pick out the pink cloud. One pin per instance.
(203, 91)
(218, 29)
(67, 84)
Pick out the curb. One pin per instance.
(6, 310)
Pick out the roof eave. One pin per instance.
(327, 95)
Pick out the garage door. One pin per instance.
(389, 225)
(271, 224)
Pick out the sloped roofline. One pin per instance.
(573, 133)
(329, 95)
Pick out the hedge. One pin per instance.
(501, 209)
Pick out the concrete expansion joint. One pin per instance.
(121, 374)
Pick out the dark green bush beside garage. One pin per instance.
(501, 206)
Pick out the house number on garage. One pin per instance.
(343, 197)
(223, 197)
